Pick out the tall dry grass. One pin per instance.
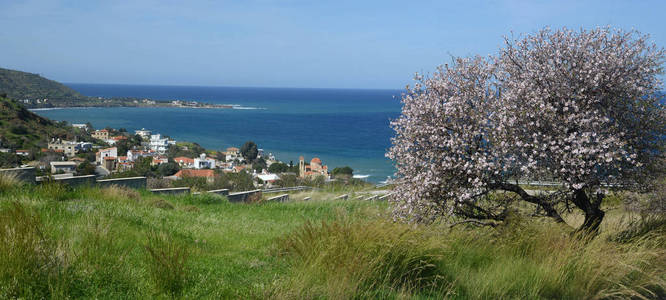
(8, 181)
(527, 260)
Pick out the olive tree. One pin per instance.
(579, 107)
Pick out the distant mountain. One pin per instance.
(23, 129)
(32, 89)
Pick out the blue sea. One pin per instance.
(343, 127)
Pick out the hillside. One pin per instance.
(32, 87)
(115, 243)
(23, 129)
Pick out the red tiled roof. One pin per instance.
(195, 173)
(233, 149)
(316, 160)
(110, 158)
(122, 157)
(22, 150)
(103, 130)
(118, 138)
(183, 159)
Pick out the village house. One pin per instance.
(204, 163)
(133, 155)
(109, 163)
(159, 144)
(208, 174)
(104, 154)
(101, 134)
(232, 153)
(316, 168)
(238, 169)
(23, 152)
(63, 167)
(67, 147)
(158, 160)
(268, 178)
(123, 164)
(143, 133)
(81, 126)
(184, 162)
(114, 139)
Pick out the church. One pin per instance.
(314, 169)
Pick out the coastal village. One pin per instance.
(111, 153)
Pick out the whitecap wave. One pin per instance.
(244, 107)
(361, 176)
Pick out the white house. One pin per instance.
(144, 133)
(108, 152)
(157, 143)
(132, 155)
(204, 163)
(81, 126)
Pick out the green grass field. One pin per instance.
(56, 242)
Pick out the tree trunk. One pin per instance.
(547, 206)
(593, 214)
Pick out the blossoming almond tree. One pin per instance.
(578, 107)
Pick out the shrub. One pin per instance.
(167, 263)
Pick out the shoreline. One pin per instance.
(225, 106)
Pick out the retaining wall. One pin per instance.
(248, 196)
(171, 191)
(23, 174)
(130, 182)
(280, 198)
(72, 180)
(341, 197)
(223, 192)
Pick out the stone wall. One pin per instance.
(248, 196)
(23, 174)
(171, 191)
(130, 182)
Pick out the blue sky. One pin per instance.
(329, 44)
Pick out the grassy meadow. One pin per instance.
(58, 242)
